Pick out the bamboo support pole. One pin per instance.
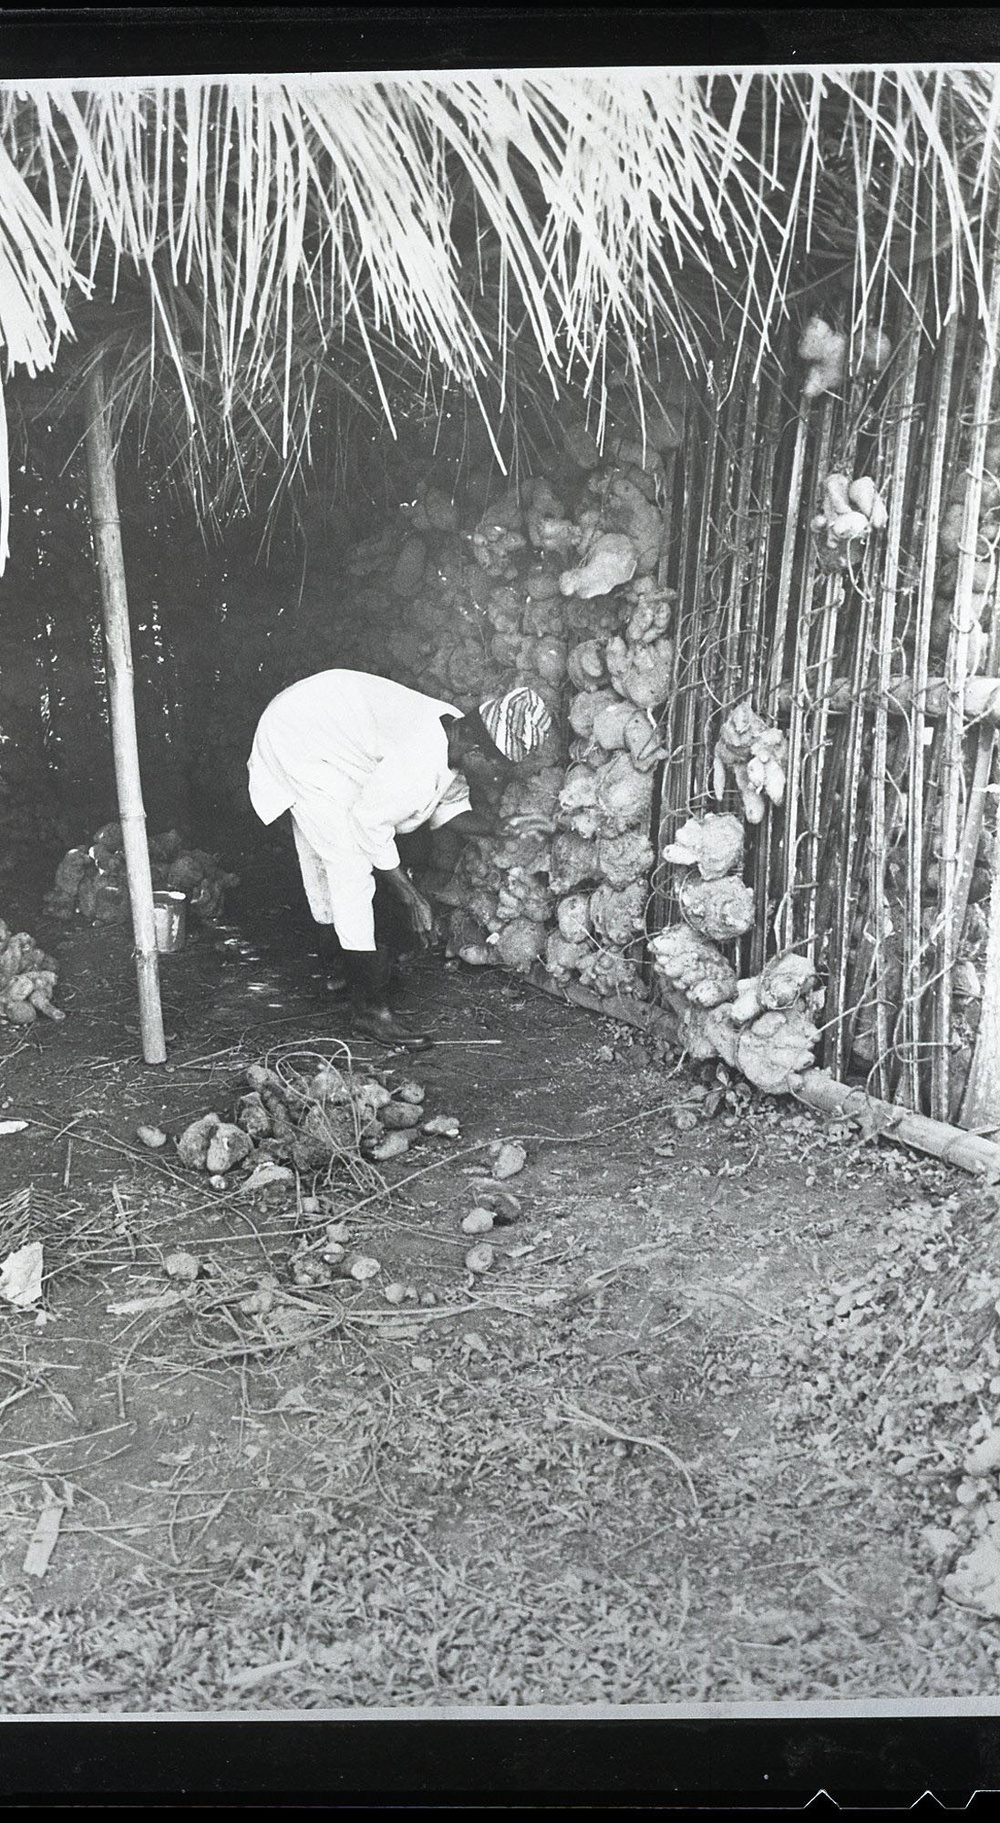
(937, 439)
(768, 859)
(787, 562)
(981, 1101)
(843, 978)
(879, 916)
(735, 669)
(799, 895)
(679, 775)
(986, 1051)
(826, 640)
(956, 674)
(815, 1089)
(757, 649)
(756, 643)
(121, 700)
(717, 458)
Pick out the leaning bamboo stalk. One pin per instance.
(956, 673)
(106, 528)
(968, 1150)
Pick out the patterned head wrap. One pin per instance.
(517, 723)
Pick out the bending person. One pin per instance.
(359, 760)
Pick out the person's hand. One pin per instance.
(421, 916)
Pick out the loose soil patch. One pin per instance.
(680, 1442)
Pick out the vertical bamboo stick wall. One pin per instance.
(876, 865)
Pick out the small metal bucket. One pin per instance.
(169, 915)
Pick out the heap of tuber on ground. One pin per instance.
(27, 979)
(301, 1119)
(91, 882)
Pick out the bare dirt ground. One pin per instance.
(681, 1442)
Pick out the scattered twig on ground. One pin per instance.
(574, 1415)
(32, 1449)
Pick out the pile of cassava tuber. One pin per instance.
(91, 882)
(761, 1025)
(555, 587)
(290, 1121)
(27, 979)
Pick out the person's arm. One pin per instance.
(420, 909)
(474, 822)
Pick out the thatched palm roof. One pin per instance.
(258, 249)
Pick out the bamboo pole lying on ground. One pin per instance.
(106, 528)
(816, 1089)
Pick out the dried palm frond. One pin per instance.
(451, 220)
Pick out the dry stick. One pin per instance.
(32, 1449)
(215, 1203)
(575, 1415)
(106, 528)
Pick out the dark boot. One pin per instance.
(368, 976)
(330, 957)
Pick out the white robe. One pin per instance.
(357, 760)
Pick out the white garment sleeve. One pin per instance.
(455, 803)
(391, 796)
